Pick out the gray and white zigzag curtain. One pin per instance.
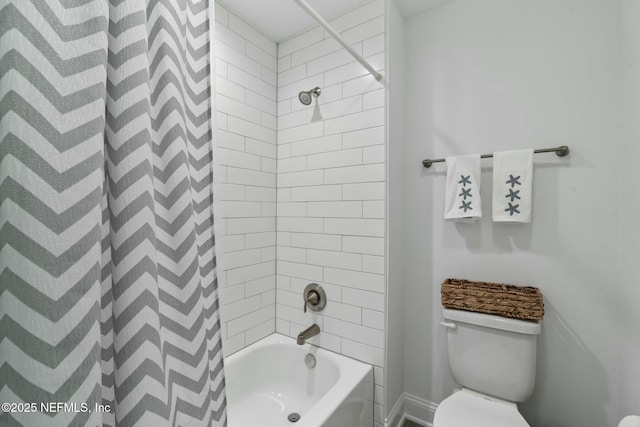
(108, 293)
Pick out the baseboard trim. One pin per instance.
(396, 415)
(412, 408)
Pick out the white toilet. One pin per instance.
(630, 421)
(494, 359)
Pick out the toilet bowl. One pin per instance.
(469, 408)
(630, 421)
(494, 360)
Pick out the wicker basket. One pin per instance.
(518, 302)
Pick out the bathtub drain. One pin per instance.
(293, 417)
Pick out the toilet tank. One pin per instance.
(492, 354)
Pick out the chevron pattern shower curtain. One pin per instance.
(108, 293)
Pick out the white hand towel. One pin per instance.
(512, 186)
(462, 189)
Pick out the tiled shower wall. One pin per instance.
(330, 185)
(331, 188)
(245, 176)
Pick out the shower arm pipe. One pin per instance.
(324, 24)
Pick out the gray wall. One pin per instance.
(629, 231)
(394, 371)
(489, 75)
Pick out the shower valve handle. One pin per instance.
(313, 298)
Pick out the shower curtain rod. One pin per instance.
(324, 24)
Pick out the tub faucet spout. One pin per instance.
(311, 331)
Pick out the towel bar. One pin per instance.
(560, 152)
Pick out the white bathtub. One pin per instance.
(269, 380)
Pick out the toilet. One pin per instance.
(494, 360)
(630, 421)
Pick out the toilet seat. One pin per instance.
(467, 408)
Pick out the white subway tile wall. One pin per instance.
(310, 178)
(245, 155)
(331, 188)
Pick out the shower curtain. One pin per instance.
(108, 293)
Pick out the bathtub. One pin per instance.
(269, 380)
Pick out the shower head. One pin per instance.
(306, 97)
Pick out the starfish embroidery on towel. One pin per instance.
(466, 206)
(513, 195)
(465, 193)
(464, 180)
(513, 181)
(512, 209)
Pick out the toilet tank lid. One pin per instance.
(492, 321)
